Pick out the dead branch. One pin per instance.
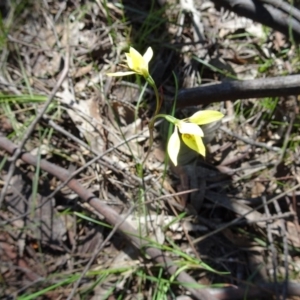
(265, 14)
(234, 90)
(284, 6)
(112, 218)
(33, 124)
(132, 235)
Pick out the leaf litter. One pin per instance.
(226, 221)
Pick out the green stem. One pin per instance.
(151, 128)
(151, 82)
(158, 102)
(153, 85)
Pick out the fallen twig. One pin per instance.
(265, 14)
(31, 127)
(112, 218)
(284, 6)
(249, 141)
(234, 90)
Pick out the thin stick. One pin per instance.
(113, 218)
(31, 127)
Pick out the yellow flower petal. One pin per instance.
(129, 61)
(148, 55)
(194, 142)
(189, 128)
(174, 146)
(117, 74)
(134, 59)
(137, 64)
(205, 117)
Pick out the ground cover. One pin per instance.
(90, 208)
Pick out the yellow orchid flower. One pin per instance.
(137, 63)
(191, 133)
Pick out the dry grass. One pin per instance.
(240, 225)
